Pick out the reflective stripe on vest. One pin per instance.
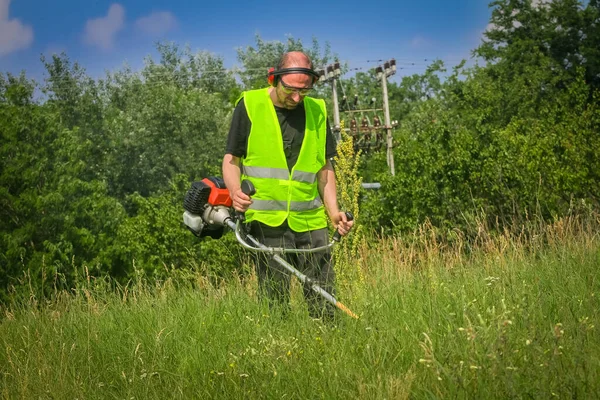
(280, 205)
(278, 173)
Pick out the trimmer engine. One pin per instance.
(207, 207)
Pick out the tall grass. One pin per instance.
(512, 315)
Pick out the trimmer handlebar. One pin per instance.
(208, 210)
(249, 189)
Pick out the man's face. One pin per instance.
(292, 88)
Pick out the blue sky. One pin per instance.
(103, 35)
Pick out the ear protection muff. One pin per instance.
(273, 75)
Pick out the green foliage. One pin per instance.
(153, 241)
(403, 98)
(348, 183)
(50, 212)
(87, 170)
(160, 130)
(92, 172)
(452, 162)
(565, 31)
(185, 70)
(513, 138)
(151, 238)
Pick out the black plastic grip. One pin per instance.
(249, 190)
(336, 235)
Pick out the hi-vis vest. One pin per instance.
(282, 194)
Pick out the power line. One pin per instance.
(183, 76)
(143, 76)
(237, 70)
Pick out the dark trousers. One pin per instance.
(274, 279)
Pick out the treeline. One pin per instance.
(499, 143)
(93, 171)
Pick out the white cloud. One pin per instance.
(101, 31)
(157, 23)
(14, 35)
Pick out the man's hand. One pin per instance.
(341, 223)
(241, 201)
(231, 176)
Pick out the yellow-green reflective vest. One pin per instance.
(282, 194)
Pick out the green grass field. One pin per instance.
(511, 316)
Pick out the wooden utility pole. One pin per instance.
(388, 69)
(331, 74)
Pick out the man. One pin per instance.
(280, 140)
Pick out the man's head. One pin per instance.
(291, 87)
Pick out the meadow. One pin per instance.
(505, 315)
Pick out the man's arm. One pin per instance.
(232, 176)
(237, 140)
(328, 192)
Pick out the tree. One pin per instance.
(161, 127)
(190, 71)
(51, 212)
(76, 99)
(563, 30)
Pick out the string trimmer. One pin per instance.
(208, 211)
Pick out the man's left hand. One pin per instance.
(341, 223)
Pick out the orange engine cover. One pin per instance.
(218, 196)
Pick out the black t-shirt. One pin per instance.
(292, 124)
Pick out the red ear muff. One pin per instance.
(271, 76)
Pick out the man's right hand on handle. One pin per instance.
(231, 175)
(241, 201)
